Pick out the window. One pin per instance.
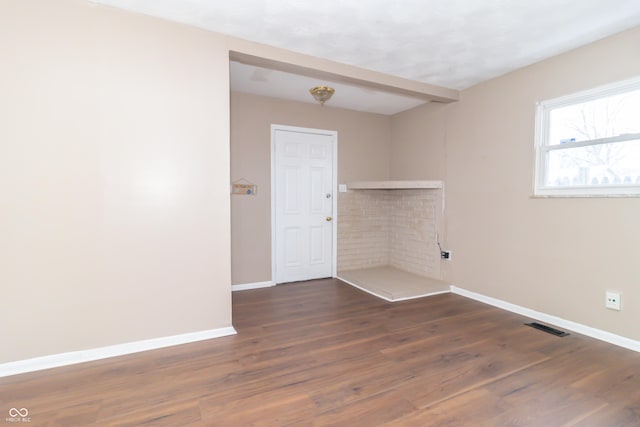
(588, 143)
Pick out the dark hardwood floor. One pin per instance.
(324, 353)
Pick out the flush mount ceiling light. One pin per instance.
(322, 93)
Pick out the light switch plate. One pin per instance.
(342, 188)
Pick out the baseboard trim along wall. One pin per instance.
(71, 358)
(256, 285)
(379, 295)
(557, 321)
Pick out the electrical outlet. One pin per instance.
(445, 255)
(612, 300)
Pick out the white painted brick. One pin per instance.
(389, 227)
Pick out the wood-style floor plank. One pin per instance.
(323, 353)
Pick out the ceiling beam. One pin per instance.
(261, 55)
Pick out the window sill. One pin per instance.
(583, 196)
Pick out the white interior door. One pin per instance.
(303, 197)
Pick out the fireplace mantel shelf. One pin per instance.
(394, 185)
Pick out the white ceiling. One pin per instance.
(450, 43)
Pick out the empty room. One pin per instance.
(292, 213)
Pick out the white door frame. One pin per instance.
(334, 186)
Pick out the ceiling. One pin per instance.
(450, 43)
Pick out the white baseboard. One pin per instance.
(364, 289)
(547, 318)
(256, 285)
(386, 298)
(64, 359)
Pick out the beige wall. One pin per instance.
(553, 255)
(418, 138)
(114, 166)
(363, 153)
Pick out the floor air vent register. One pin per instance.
(548, 329)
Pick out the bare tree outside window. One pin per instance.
(602, 162)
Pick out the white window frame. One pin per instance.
(542, 146)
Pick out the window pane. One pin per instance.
(605, 117)
(595, 165)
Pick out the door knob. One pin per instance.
(329, 218)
